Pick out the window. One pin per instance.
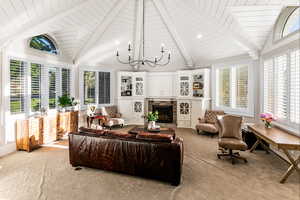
(282, 87)
(232, 89)
(17, 86)
(65, 81)
(89, 87)
(104, 87)
(43, 43)
(35, 87)
(292, 23)
(52, 87)
(96, 87)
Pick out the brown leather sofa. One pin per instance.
(128, 153)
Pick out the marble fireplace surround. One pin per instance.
(150, 102)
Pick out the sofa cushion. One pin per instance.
(90, 130)
(231, 143)
(211, 128)
(118, 134)
(155, 137)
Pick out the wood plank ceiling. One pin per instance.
(228, 27)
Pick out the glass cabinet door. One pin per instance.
(184, 86)
(126, 86)
(139, 86)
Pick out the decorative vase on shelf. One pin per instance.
(151, 124)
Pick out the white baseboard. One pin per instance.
(7, 148)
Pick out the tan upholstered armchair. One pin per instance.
(113, 118)
(208, 124)
(230, 137)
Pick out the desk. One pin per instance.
(281, 140)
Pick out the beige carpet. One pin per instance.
(47, 174)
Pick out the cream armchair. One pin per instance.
(208, 124)
(112, 117)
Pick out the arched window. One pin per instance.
(292, 23)
(43, 43)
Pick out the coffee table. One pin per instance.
(139, 130)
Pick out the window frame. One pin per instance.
(284, 124)
(44, 87)
(52, 39)
(81, 86)
(280, 24)
(247, 112)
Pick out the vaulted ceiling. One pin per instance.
(90, 31)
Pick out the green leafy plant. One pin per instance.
(65, 101)
(152, 116)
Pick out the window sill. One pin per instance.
(244, 113)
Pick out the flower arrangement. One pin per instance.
(267, 118)
(152, 116)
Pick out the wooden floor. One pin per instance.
(47, 174)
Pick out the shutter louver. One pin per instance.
(295, 87)
(281, 72)
(242, 87)
(104, 87)
(268, 86)
(17, 86)
(65, 82)
(35, 87)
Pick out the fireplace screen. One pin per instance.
(165, 113)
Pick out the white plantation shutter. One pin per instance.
(65, 81)
(35, 73)
(268, 86)
(281, 83)
(295, 87)
(52, 85)
(89, 87)
(224, 87)
(104, 87)
(242, 87)
(17, 86)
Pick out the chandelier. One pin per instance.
(157, 61)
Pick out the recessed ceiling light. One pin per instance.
(199, 36)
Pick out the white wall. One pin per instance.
(161, 84)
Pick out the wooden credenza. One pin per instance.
(33, 132)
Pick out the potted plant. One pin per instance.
(267, 119)
(64, 102)
(152, 117)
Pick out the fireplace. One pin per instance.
(167, 110)
(165, 113)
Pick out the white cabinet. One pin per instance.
(138, 111)
(131, 84)
(184, 108)
(193, 84)
(184, 84)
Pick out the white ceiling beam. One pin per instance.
(99, 30)
(38, 24)
(173, 32)
(138, 30)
